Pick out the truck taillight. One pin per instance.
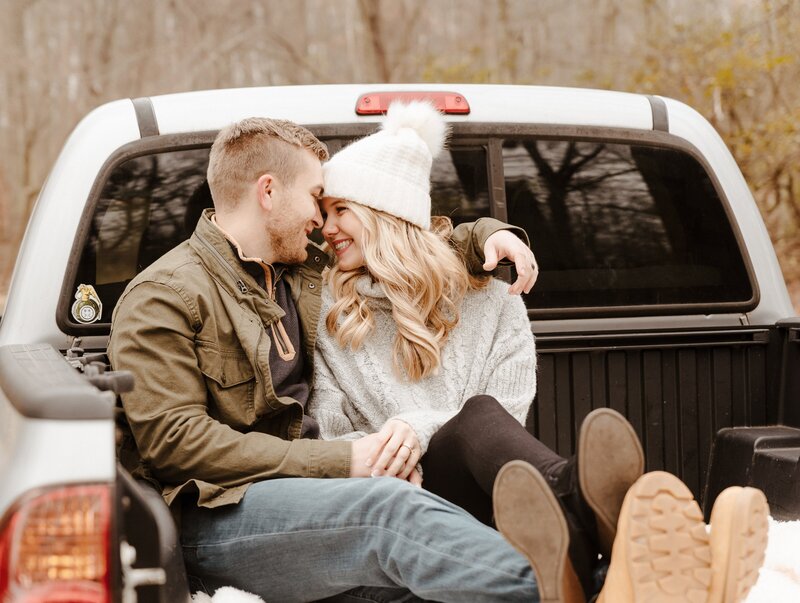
(376, 103)
(55, 547)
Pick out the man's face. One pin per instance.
(295, 211)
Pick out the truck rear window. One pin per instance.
(147, 206)
(614, 226)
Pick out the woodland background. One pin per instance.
(736, 61)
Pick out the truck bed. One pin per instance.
(677, 388)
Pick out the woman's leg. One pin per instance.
(465, 455)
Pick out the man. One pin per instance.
(220, 335)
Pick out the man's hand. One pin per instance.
(397, 451)
(362, 448)
(505, 244)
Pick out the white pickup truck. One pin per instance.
(660, 296)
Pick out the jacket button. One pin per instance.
(311, 285)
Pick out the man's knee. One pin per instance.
(385, 488)
(399, 494)
(391, 502)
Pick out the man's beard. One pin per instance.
(288, 248)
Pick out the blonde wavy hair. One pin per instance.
(422, 275)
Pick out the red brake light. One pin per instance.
(55, 547)
(376, 103)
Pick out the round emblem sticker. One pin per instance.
(87, 307)
(87, 313)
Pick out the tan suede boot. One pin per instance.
(739, 527)
(610, 460)
(661, 553)
(528, 515)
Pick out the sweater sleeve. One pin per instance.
(426, 423)
(327, 404)
(509, 373)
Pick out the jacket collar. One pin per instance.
(271, 272)
(219, 258)
(215, 247)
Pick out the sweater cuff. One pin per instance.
(425, 424)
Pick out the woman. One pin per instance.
(442, 365)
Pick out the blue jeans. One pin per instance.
(304, 539)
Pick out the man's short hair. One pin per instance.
(244, 151)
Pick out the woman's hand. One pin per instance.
(396, 451)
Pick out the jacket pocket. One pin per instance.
(230, 380)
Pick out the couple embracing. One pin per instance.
(346, 422)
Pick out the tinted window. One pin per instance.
(620, 225)
(148, 205)
(459, 185)
(152, 203)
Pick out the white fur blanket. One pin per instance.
(778, 582)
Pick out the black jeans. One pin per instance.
(465, 455)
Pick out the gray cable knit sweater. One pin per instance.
(490, 351)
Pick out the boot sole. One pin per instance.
(610, 460)
(667, 551)
(528, 515)
(739, 530)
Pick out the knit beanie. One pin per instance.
(391, 170)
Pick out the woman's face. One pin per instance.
(342, 230)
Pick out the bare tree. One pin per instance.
(734, 61)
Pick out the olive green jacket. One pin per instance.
(203, 417)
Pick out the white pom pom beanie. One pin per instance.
(391, 170)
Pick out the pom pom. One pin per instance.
(423, 118)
